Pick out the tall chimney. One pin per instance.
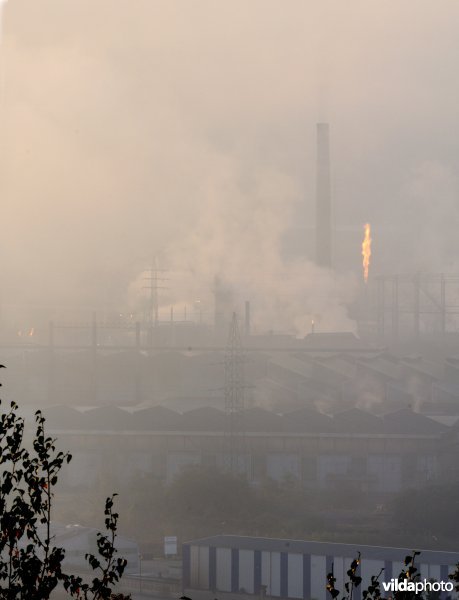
(323, 199)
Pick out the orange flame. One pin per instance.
(366, 251)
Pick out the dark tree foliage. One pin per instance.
(354, 580)
(409, 573)
(30, 563)
(204, 499)
(455, 577)
(109, 568)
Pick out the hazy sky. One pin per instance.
(186, 129)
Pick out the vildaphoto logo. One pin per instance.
(394, 585)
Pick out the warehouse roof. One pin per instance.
(156, 418)
(339, 365)
(383, 365)
(64, 417)
(206, 418)
(425, 367)
(356, 420)
(260, 419)
(407, 421)
(344, 340)
(291, 363)
(108, 418)
(253, 420)
(451, 389)
(307, 419)
(324, 549)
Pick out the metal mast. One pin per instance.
(151, 316)
(234, 397)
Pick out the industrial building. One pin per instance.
(378, 455)
(248, 566)
(330, 371)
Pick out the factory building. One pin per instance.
(246, 566)
(354, 448)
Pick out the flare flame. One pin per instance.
(366, 251)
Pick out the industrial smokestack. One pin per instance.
(323, 199)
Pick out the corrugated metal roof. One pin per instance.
(450, 388)
(254, 420)
(381, 365)
(325, 549)
(259, 419)
(425, 367)
(407, 421)
(447, 420)
(336, 340)
(110, 418)
(339, 365)
(356, 420)
(291, 363)
(206, 418)
(156, 418)
(307, 420)
(64, 417)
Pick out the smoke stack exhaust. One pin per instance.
(323, 199)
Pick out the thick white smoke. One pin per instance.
(238, 237)
(188, 129)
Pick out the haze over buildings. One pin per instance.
(188, 132)
(168, 168)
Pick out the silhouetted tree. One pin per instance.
(409, 573)
(30, 563)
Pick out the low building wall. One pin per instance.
(293, 569)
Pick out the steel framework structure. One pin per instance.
(417, 304)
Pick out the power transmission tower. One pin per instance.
(151, 316)
(234, 398)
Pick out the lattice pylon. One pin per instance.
(234, 397)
